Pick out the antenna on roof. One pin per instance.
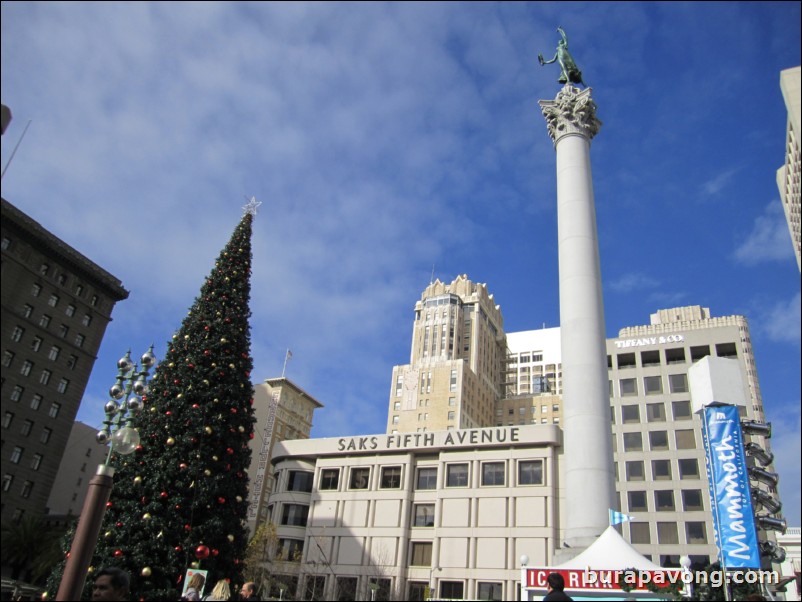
(431, 280)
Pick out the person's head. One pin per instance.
(111, 583)
(221, 590)
(556, 582)
(197, 580)
(248, 589)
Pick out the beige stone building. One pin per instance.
(788, 175)
(283, 410)
(454, 377)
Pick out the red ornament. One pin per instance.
(201, 552)
(233, 410)
(221, 500)
(206, 352)
(182, 466)
(118, 553)
(118, 524)
(163, 495)
(168, 413)
(215, 552)
(178, 548)
(109, 504)
(195, 406)
(229, 451)
(139, 448)
(187, 527)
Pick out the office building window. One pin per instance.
(79, 340)
(637, 501)
(639, 533)
(628, 387)
(492, 473)
(452, 590)
(655, 412)
(36, 289)
(63, 331)
(688, 468)
(7, 481)
(661, 470)
(8, 418)
(27, 487)
(44, 321)
(70, 311)
(635, 471)
(360, 477)
(681, 410)
(630, 414)
(27, 366)
(457, 475)
(667, 533)
(290, 549)
(626, 360)
(678, 383)
(27, 310)
(45, 377)
(490, 591)
(16, 393)
(633, 442)
(696, 532)
(53, 301)
(54, 353)
(16, 455)
(36, 461)
(63, 384)
(427, 478)
(45, 436)
(685, 439)
(27, 427)
(652, 385)
(692, 500)
(36, 401)
(421, 553)
(391, 477)
(295, 515)
(424, 515)
(300, 480)
(86, 320)
(16, 334)
(658, 440)
(8, 359)
(36, 343)
(530, 472)
(664, 500)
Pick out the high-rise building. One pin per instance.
(788, 175)
(283, 411)
(454, 377)
(56, 305)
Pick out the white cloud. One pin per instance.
(769, 239)
(634, 281)
(782, 320)
(785, 443)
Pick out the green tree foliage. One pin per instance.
(181, 497)
(31, 548)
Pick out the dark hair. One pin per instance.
(119, 578)
(556, 582)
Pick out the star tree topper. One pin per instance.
(252, 206)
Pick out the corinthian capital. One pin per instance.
(571, 112)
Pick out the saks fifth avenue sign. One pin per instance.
(662, 340)
(547, 435)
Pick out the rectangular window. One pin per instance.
(635, 471)
(62, 385)
(44, 321)
(626, 360)
(675, 356)
(36, 401)
(650, 358)
(685, 439)
(681, 410)
(664, 500)
(678, 383)
(633, 442)
(360, 477)
(300, 480)
(45, 377)
(427, 478)
(391, 477)
(8, 418)
(27, 487)
(79, 340)
(696, 532)
(16, 393)
(655, 412)
(70, 311)
(658, 440)
(630, 414)
(628, 387)
(688, 468)
(295, 515)
(457, 475)
(652, 385)
(493, 474)
(490, 591)
(36, 289)
(27, 366)
(530, 472)
(36, 461)
(637, 501)
(86, 320)
(45, 436)
(452, 590)
(54, 352)
(8, 359)
(27, 427)
(692, 500)
(7, 480)
(424, 515)
(63, 331)
(53, 301)
(421, 552)
(661, 470)
(27, 310)
(36, 343)
(291, 549)
(16, 334)
(639, 533)
(667, 533)
(16, 455)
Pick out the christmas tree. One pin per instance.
(180, 500)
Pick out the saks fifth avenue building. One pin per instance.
(400, 513)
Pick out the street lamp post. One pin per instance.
(123, 438)
(431, 585)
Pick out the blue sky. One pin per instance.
(384, 139)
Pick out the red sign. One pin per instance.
(595, 579)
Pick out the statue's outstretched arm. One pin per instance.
(544, 62)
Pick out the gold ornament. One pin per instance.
(223, 340)
(208, 430)
(230, 537)
(107, 534)
(241, 429)
(207, 472)
(146, 516)
(146, 572)
(195, 565)
(179, 396)
(137, 480)
(170, 441)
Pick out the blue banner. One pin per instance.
(731, 500)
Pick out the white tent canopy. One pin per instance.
(610, 552)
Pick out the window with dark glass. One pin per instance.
(661, 470)
(360, 477)
(492, 473)
(658, 440)
(635, 471)
(664, 500)
(490, 591)
(300, 480)
(457, 475)
(688, 468)
(633, 442)
(530, 472)
(655, 412)
(692, 500)
(427, 478)
(652, 385)
(294, 515)
(329, 479)
(421, 552)
(424, 515)
(391, 477)
(637, 501)
(630, 414)
(681, 410)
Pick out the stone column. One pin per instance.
(589, 483)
